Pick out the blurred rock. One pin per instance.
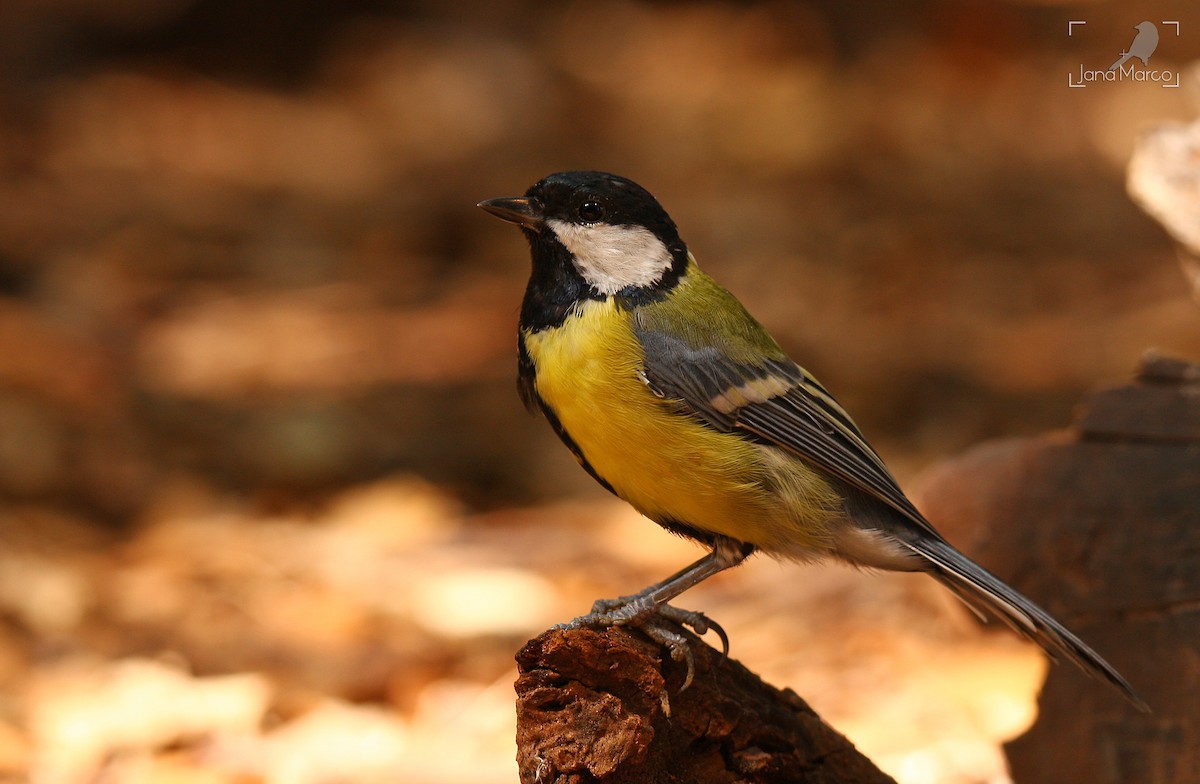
(1164, 178)
(1100, 525)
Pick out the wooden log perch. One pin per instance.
(605, 706)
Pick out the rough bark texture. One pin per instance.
(1101, 524)
(605, 706)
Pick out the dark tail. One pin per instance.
(980, 588)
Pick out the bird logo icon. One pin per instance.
(1144, 44)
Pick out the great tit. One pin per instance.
(675, 399)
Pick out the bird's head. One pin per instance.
(608, 230)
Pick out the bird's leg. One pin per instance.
(648, 609)
(632, 609)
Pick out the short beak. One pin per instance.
(520, 210)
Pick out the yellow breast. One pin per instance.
(669, 466)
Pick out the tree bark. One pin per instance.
(605, 706)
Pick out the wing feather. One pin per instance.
(802, 417)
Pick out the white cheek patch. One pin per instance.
(612, 258)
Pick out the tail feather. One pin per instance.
(981, 589)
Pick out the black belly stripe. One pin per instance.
(674, 526)
(687, 531)
(575, 450)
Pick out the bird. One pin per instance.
(675, 399)
(1144, 44)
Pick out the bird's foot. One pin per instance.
(662, 623)
(637, 609)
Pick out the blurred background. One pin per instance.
(270, 508)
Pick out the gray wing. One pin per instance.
(776, 402)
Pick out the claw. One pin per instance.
(674, 642)
(662, 623)
(698, 622)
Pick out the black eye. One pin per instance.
(591, 212)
